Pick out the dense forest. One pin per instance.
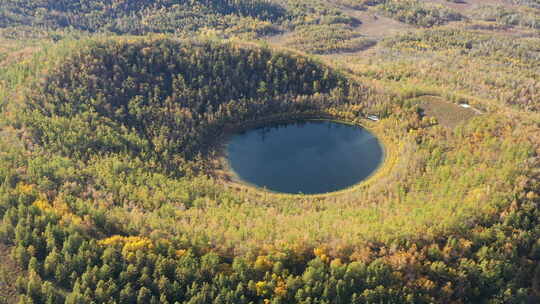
(419, 13)
(113, 190)
(161, 101)
(134, 17)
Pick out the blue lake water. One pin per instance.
(307, 157)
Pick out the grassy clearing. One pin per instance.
(446, 113)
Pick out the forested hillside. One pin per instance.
(161, 101)
(133, 17)
(113, 187)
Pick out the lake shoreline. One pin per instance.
(222, 171)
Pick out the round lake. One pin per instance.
(304, 157)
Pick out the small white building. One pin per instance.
(373, 117)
